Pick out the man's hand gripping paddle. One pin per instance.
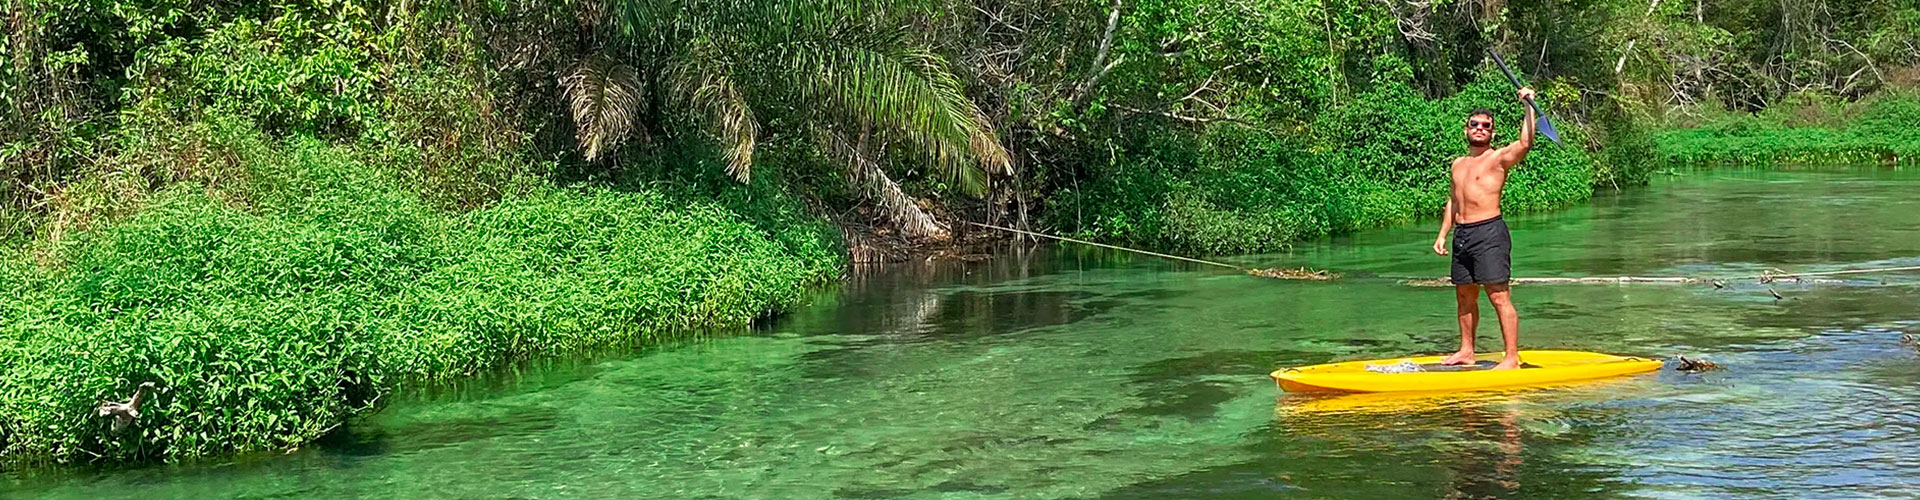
(1545, 127)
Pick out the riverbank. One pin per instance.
(269, 312)
(1804, 131)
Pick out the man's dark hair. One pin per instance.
(1482, 112)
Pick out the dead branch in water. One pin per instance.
(1689, 365)
(1586, 280)
(1294, 274)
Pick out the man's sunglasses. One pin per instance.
(1479, 124)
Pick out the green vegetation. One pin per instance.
(1808, 130)
(280, 210)
(1377, 162)
(270, 323)
(1032, 104)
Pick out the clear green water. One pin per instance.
(1073, 374)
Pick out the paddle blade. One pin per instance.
(1546, 127)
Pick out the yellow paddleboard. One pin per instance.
(1541, 368)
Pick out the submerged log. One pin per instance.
(1294, 274)
(1570, 281)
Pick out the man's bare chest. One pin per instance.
(1478, 174)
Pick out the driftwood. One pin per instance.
(124, 413)
(1655, 280)
(1775, 274)
(1565, 281)
(1294, 274)
(1695, 365)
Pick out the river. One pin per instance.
(1075, 373)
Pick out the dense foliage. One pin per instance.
(266, 325)
(886, 103)
(1379, 161)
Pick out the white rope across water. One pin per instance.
(1111, 247)
(1283, 274)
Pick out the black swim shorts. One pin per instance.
(1482, 252)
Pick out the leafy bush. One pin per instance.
(267, 323)
(468, 155)
(1629, 156)
(1881, 131)
(304, 69)
(1193, 223)
(1888, 124)
(778, 200)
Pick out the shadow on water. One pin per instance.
(1196, 387)
(931, 301)
(1487, 445)
(1016, 292)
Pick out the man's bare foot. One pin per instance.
(1508, 363)
(1463, 357)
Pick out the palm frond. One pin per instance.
(657, 22)
(591, 14)
(982, 142)
(852, 61)
(869, 179)
(604, 97)
(908, 92)
(717, 95)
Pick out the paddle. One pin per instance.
(1546, 127)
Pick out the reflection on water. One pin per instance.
(1068, 373)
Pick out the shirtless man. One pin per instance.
(1482, 249)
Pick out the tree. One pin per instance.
(849, 71)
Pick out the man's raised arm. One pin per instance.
(1511, 155)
